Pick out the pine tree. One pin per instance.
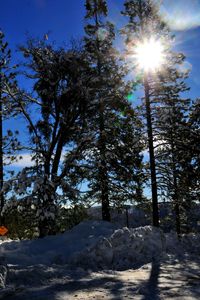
(171, 152)
(8, 141)
(191, 167)
(98, 44)
(111, 167)
(143, 23)
(164, 108)
(123, 159)
(2, 63)
(56, 123)
(193, 145)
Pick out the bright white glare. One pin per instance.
(149, 55)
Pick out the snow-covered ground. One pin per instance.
(95, 260)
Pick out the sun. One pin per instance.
(149, 55)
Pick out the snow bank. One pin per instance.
(188, 243)
(98, 245)
(124, 249)
(56, 249)
(90, 245)
(191, 242)
(3, 272)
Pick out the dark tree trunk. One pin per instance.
(47, 226)
(175, 194)
(43, 228)
(103, 172)
(151, 155)
(177, 208)
(176, 204)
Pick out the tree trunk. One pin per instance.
(47, 226)
(103, 172)
(151, 154)
(43, 228)
(176, 205)
(175, 195)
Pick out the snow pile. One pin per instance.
(187, 243)
(98, 245)
(172, 243)
(57, 261)
(124, 249)
(191, 242)
(90, 245)
(3, 275)
(56, 249)
(3, 272)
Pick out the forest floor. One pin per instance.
(171, 278)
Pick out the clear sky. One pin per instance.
(64, 19)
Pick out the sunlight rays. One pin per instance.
(149, 55)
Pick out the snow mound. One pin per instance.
(3, 273)
(90, 245)
(124, 249)
(56, 249)
(187, 243)
(191, 242)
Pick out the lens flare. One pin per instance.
(130, 97)
(149, 55)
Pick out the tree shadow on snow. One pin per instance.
(150, 289)
(191, 272)
(69, 288)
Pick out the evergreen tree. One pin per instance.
(191, 167)
(124, 163)
(8, 141)
(113, 160)
(193, 145)
(2, 63)
(172, 139)
(164, 108)
(144, 22)
(55, 112)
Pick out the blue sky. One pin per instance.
(64, 19)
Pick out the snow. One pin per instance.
(125, 248)
(189, 243)
(95, 253)
(90, 245)
(56, 249)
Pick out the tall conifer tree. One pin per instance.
(115, 151)
(57, 133)
(8, 141)
(162, 96)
